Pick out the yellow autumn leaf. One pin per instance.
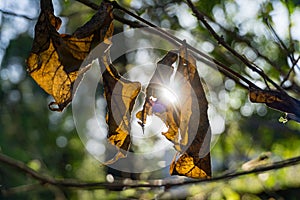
(188, 166)
(264, 96)
(55, 58)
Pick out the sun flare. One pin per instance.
(168, 95)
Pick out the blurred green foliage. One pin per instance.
(48, 142)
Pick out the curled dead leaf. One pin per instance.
(190, 139)
(120, 95)
(55, 59)
(159, 79)
(277, 100)
(194, 160)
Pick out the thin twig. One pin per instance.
(89, 4)
(294, 64)
(157, 30)
(286, 50)
(245, 40)
(292, 48)
(221, 41)
(16, 15)
(128, 22)
(277, 38)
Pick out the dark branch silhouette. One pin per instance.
(221, 41)
(15, 14)
(286, 50)
(242, 81)
(117, 185)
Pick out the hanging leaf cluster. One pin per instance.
(54, 63)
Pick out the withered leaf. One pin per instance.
(120, 95)
(185, 72)
(194, 160)
(154, 102)
(276, 100)
(191, 140)
(264, 96)
(191, 166)
(55, 58)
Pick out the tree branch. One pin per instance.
(242, 81)
(291, 44)
(43, 179)
(224, 69)
(244, 39)
(117, 185)
(15, 14)
(294, 64)
(286, 50)
(89, 4)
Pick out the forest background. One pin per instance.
(267, 33)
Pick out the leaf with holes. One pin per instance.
(194, 146)
(190, 139)
(120, 95)
(155, 103)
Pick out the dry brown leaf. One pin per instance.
(194, 160)
(277, 100)
(55, 58)
(120, 95)
(264, 96)
(191, 167)
(191, 139)
(154, 102)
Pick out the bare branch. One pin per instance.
(89, 4)
(245, 40)
(242, 81)
(295, 63)
(221, 41)
(290, 26)
(276, 36)
(16, 15)
(289, 54)
(128, 22)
